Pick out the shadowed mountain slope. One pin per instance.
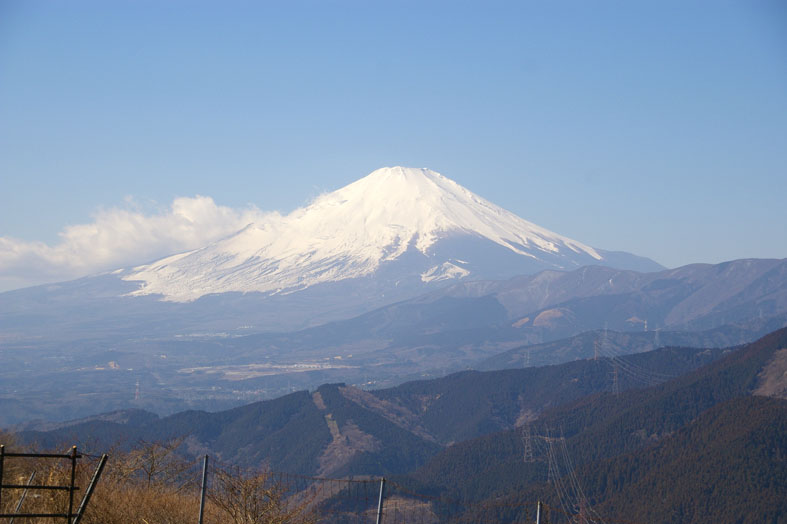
(686, 439)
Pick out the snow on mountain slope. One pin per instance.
(349, 233)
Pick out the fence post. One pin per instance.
(90, 488)
(380, 502)
(22, 498)
(73, 480)
(2, 459)
(202, 490)
(538, 513)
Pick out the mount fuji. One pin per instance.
(390, 236)
(407, 227)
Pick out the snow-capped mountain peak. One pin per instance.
(350, 233)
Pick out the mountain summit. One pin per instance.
(413, 225)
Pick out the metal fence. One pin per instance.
(68, 514)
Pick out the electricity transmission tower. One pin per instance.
(615, 383)
(527, 441)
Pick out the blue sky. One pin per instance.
(658, 128)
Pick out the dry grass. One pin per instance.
(152, 485)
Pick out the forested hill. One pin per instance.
(699, 448)
(607, 343)
(343, 430)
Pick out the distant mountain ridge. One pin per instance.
(467, 323)
(692, 297)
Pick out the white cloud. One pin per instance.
(121, 237)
